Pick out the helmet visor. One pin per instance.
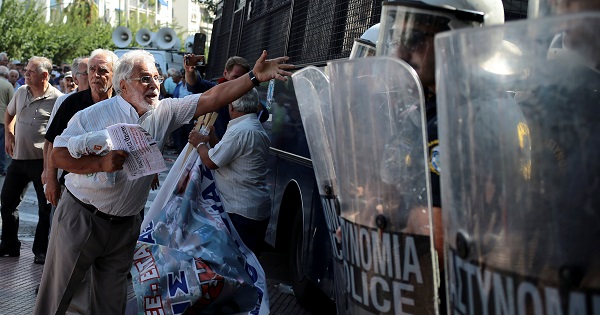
(362, 48)
(411, 26)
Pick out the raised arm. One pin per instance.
(227, 92)
(190, 75)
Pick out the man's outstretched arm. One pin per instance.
(227, 92)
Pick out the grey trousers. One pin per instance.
(80, 304)
(80, 241)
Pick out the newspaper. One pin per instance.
(144, 157)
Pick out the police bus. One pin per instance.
(310, 32)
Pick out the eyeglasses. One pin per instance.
(84, 73)
(147, 79)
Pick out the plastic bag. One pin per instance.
(91, 143)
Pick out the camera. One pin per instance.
(194, 60)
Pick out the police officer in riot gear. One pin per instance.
(563, 190)
(534, 247)
(407, 32)
(378, 153)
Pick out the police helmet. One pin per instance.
(365, 45)
(399, 19)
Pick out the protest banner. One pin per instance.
(189, 258)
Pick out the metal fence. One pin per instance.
(310, 32)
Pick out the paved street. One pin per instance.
(19, 276)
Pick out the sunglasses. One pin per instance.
(148, 79)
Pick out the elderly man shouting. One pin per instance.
(98, 228)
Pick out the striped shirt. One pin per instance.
(127, 197)
(242, 174)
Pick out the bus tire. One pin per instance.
(308, 295)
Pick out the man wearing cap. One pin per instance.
(19, 66)
(68, 83)
(170, 83)
(179, 135)
(13, 77)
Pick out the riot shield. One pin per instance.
(313, 94)
(375, 143)
(521, 180)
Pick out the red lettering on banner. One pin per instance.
(145, 264)
(153, 305)
(211, 283)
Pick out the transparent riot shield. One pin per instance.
(313, 94)
(375, 144)
(521, 179)
(312, 91)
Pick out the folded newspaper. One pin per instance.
(144, 157)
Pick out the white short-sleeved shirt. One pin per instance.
(127, 197)
(242, 174)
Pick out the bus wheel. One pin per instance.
(309, 296)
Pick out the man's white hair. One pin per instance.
(111, 56)
(44, 64)
(124, 66)
(248, 103)
(4, 72)
(172, 72)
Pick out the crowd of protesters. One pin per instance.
(45, 106)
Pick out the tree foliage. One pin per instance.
(211, 6)
(72, 33)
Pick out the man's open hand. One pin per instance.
(265, 70)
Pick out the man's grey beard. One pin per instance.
(147, 106)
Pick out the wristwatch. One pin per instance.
(253, 78)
